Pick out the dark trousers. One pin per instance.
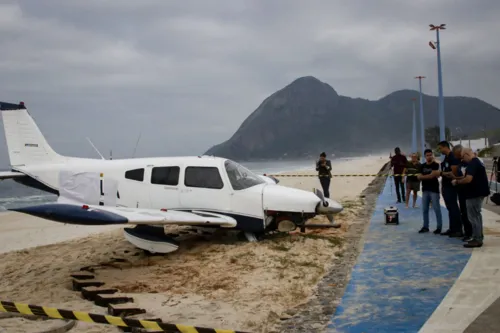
(450, 197)
(463, 213)
(398, 181)
(325, 184)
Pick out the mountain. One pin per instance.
(308, 116)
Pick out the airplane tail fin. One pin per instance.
(25, 142)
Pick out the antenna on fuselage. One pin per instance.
(136, 144)
(102, 157)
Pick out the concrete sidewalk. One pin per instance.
(471, 304)
(401, 276)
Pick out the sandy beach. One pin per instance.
(216, 281)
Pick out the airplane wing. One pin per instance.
(10, 174)
(82, 214)
(80, 202)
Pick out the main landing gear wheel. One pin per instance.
(250, 236)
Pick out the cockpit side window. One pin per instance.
(203, 177)
(136, 174)
(167, 175)
(240, 177)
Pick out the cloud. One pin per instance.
(186, 74)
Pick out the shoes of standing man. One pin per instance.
(446, 233)
(473, 243)
(423, 230)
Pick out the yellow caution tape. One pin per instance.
(103, 319)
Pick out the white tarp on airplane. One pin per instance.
(85, 187)
(82, 187)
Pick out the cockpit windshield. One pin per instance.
(240, 177)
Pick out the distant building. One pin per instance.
(495, 150)
(475, 145)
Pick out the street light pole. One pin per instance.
(422, 124)
(414, 129)
(440, 80)
(457, 129)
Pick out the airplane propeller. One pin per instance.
(325, 203)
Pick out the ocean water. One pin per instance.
(14, 195)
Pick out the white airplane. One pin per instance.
(199, 191)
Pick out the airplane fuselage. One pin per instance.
(203, 183)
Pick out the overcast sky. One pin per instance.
(186, 73)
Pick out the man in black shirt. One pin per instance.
(449, 170)
(477, 188)
(429, 174)
(324, 167)
(398, 164)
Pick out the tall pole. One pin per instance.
(422, 124)
(461, 133)
(440, 82)
(414, 129)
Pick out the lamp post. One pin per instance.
(460, 129)
(422, 124)
(414, 130)
(440, 79)
(485, 138)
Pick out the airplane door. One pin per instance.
(249, 201)
(164, 187)
(204, 189)
(132, 190)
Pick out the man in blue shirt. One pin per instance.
(449, 170)
(476, 189)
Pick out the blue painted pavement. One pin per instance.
(401, 276)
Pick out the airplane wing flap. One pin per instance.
(153, 216)
(10, 175)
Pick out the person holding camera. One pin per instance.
(449, 170)
(324, 168)
(476, 189)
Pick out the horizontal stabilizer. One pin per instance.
(102, 215)
(10, 175)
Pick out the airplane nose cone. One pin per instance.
(334, 206)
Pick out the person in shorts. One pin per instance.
(412, 181)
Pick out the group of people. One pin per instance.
(464, 185)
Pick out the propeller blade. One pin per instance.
(319, 194)
(329, 217)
